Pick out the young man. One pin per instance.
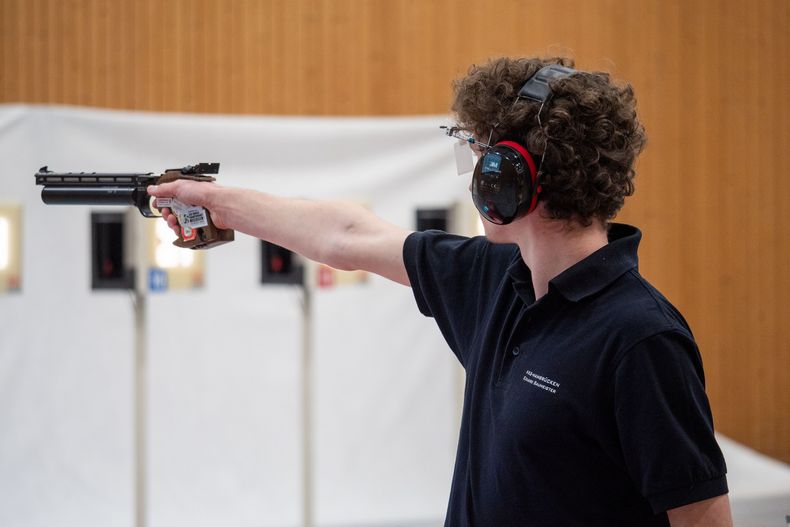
(584, 401)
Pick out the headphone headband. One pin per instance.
(537, 87)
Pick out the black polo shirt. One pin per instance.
(585, 408)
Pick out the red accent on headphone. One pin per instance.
(533, 172)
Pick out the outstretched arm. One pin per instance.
(343, 235)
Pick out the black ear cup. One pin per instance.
(504, 184)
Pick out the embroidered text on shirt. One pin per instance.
(541, 382)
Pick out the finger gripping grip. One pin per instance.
(204, 236)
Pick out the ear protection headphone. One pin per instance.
(505, 184)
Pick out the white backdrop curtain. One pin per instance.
(224, 432)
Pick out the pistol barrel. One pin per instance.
(54, 195)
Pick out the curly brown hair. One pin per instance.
(590, 132)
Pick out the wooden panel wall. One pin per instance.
(712, 77)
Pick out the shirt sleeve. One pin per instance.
(665, 424)
(453, 279)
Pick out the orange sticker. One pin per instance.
(188, 234)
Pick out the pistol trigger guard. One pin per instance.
(145, 204)
(154, 211)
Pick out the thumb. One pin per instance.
(165, 190)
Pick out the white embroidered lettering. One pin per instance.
(542, 382)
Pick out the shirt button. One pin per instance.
(515, 351)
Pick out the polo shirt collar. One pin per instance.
(592, 274)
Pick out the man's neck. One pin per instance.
(549, 247)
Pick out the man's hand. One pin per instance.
(191, 193)
(714, 512)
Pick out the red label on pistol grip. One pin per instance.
(188, 234)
